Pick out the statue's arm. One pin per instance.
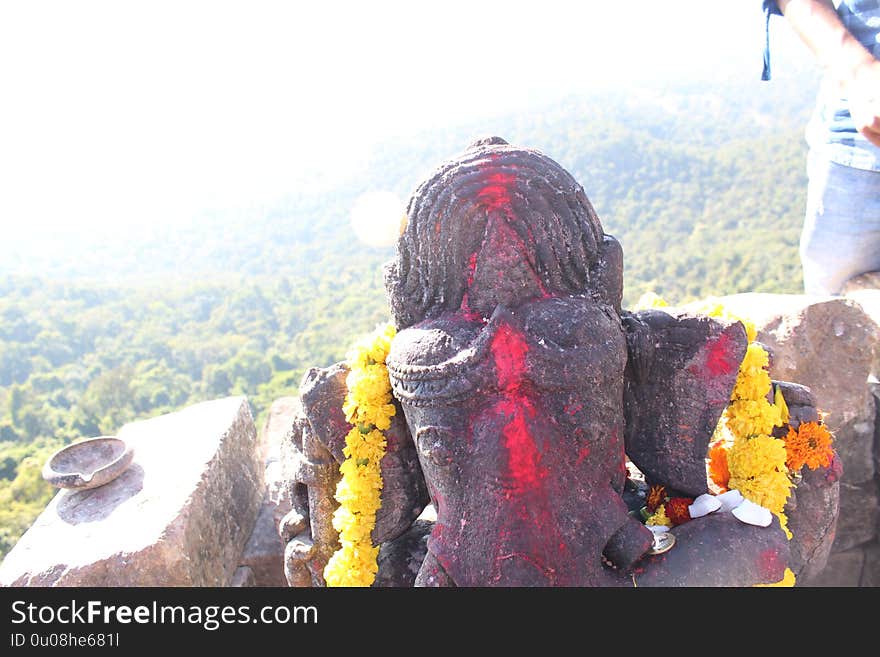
(404, 493)
(681, 369)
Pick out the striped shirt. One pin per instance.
(831, 129)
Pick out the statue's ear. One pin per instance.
(606, 276)
(396, 297)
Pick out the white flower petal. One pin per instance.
(704, 505)
(753, 514)
(730, 500)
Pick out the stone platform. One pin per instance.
(180, 515)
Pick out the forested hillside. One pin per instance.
(703, 186)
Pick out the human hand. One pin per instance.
(863, 92)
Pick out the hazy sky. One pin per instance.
(116, 112)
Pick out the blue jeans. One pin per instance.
(841, 234)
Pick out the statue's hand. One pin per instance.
(298, 553)
(298, 548)
(314, 453)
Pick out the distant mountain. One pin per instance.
(692, 179)
(703, 184)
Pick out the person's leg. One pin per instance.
(841, 233)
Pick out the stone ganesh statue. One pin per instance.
(523, 388)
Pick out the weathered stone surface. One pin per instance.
(843, 569)
(871, 567)
(869, 281)
(242, 577)
(311, 457)
(278, 422)
(294, 527)
(718, 550)
(628, 545)
(292, 495)
(283, 414)
(857, 523)
(299, 571)
(399, 560)
(264, 552)
(680, 373)
(875, 390)
(826, 344)
(403, 486)
(854, 442)
(869, 299)
(812, 519)
(180, 515)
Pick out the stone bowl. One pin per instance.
(89, 463)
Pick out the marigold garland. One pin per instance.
(744, 455)
(810, 445)
(749, 412)
(755, 463)
(369, 407)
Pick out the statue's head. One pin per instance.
(497, 226)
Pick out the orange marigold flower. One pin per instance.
(810, 445)
(677, 510)
(656, 497)
(718, 469)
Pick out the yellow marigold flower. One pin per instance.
(344, 521)
(788, 579)
(756, 357)
(748, 417)
(769, 489)
(753, 381)
(751, 331)
(779, 402)
(757, 470)
(369, 407)
(755, 456)
(659, 517)
(352, 567)
(752, 388)
(756, 461)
